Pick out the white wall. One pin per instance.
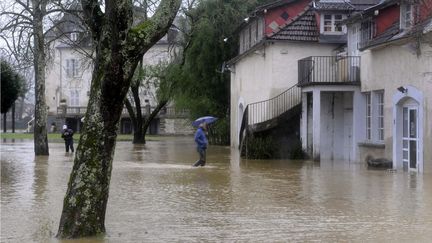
(59, 86)
(398, 65)
(267, 72)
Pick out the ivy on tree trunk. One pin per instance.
(119, 48)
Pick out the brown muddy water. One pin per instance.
(156, 196)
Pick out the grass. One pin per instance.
(56, 137)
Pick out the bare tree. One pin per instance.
(159, 83)
(120, 45)
(24, 33)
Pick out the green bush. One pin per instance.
(297, 152)
(220, 132)
(259, 148)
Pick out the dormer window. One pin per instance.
(331, 24)
(406, 16)
(74, 36)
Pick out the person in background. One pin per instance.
(53, 127)
(201, 141)
(67, 135)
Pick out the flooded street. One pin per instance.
(156, 196)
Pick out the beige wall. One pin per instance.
(176, 126)
(391, 67)
(267, 72)
(59, 86)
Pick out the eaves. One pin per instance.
(260, 44)
(385, 43)
(251, 50)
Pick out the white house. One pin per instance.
(69, 73)
(395, 111)
(373, 102)
(265, 74)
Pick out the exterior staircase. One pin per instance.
(265, 115)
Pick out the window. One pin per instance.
(337, 22)
(327, 23)
(367, 32)
(254, 33)
(332, 23)
(72, 68)
(406, 17)
(380, 115)
(368, 116)
(74, 98)
(74, 36)
(375, 116)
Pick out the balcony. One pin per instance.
(79, 111)
(329, 70)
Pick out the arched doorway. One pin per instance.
(408, 129)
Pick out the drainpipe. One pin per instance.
(61, 76)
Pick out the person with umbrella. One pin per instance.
(200, 137)
(202, 142)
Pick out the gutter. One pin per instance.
(250, 50)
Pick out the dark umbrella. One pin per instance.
(206, 119)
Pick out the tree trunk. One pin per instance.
(152, 115)
(21, 108)
(136, 115)
(40, 122)
(119, 48)
(87, 195)
(4, 122)
(13, 118)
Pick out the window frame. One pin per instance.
(333, 27)
(72, 68)
(404, 23)
(73, 36)
(380, 115)
(74, 98)
(368, 114)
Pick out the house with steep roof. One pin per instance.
(265, 88)
(393, 39)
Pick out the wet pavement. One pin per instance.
(157, 196)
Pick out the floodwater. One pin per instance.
(156, 196)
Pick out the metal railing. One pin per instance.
(168, 112)
(266, 110)
(329, 70)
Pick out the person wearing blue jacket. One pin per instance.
(201, 141)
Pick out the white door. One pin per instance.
(410, 137)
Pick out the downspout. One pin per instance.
(61, 77)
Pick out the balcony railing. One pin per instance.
(168, 112)
(329, 70)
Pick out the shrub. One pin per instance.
(219, 132)
(259, 148)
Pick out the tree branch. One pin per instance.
(146, 33)
(93, 16)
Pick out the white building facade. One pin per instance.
(68, 81)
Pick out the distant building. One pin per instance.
(68, 79)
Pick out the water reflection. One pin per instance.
(157, 196)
